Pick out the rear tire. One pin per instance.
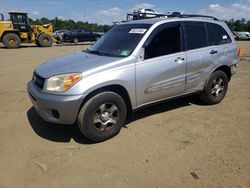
(44, 40)
(215, 88)
(11, 40)
(102, 116)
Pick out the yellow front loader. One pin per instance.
(18, 30)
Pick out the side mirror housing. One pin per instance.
(141, 55)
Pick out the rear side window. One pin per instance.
(196, 35)
(217, 35)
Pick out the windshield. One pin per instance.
(120, 41)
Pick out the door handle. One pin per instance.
(214, 52)
(179, 60)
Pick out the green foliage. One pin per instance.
(60, 24)
(239, 25)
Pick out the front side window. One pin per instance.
(196, 35)
(120, 41)
(163, 42)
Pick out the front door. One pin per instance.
(162, 73)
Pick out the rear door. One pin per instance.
(205, 51)
(201, 56)
(162, 73)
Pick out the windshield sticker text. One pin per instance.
(138, 31)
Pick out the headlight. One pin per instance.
(63, 82)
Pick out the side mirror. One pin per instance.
(141, 55)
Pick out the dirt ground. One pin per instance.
(181, 143)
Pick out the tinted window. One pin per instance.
(120, 41)
(217, 34)
(164, 42)
(19, 18)
(196, 35)
(210, 36)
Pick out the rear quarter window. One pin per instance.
(217, 35)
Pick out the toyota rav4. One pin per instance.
(135, 64)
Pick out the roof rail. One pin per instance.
(192, 16)
(139, 16)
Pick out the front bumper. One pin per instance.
(55, 108)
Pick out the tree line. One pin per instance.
(239, 25)
(59, 24)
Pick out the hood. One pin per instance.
(76, 62)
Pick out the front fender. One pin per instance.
(122, 76)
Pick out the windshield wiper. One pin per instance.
(97, 52)
(100, 53)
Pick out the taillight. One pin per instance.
(239, 53)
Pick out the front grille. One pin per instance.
(38, 80)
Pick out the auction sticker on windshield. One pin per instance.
(138, 31)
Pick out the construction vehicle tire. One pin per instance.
(44, 40)
(11, 40)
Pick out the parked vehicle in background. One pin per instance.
(61, 32)
(135, 64)
(241, 35)
(79, 35)
(58, 35)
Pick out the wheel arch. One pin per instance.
(10, 31)
(118, 89)
(226, 70)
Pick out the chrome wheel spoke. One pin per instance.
(112, 121)
(213, 91)
(221, 88)
(113, 109)
(103, 108)
(220, 82)
(103, 126)
(97, 120)
(217, 93)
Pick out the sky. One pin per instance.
(105, 12)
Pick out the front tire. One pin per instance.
(215, 88)
(44, 40)
(11, 40)
(102, 116)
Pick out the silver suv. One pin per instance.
(135, 64)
